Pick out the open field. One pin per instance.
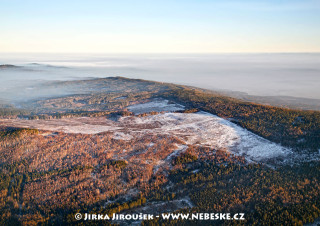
(193, 128)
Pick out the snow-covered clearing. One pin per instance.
(157, 105)
(207, 130)
(193, 128)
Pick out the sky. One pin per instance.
(166, 26)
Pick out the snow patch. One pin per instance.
(122, 136)
(157, 105)
(193, 128)
(209, 130)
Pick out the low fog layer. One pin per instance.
(296, 75)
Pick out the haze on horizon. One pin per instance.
(267, 47)
(294, 75)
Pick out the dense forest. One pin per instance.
(46, 177)
(286, 196)
(35, 190)
(294, 128)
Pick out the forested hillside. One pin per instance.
(46, 176)
(294, 128)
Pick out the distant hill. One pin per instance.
(47, 65)
(8, 66)
(278, 101)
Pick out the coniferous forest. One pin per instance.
(46, 177)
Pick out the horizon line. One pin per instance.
(142, 53)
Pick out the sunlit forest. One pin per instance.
(46, 177)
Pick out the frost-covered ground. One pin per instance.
(157, 105)
(193, 128)
(208, 130)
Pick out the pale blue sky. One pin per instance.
(166, 26)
